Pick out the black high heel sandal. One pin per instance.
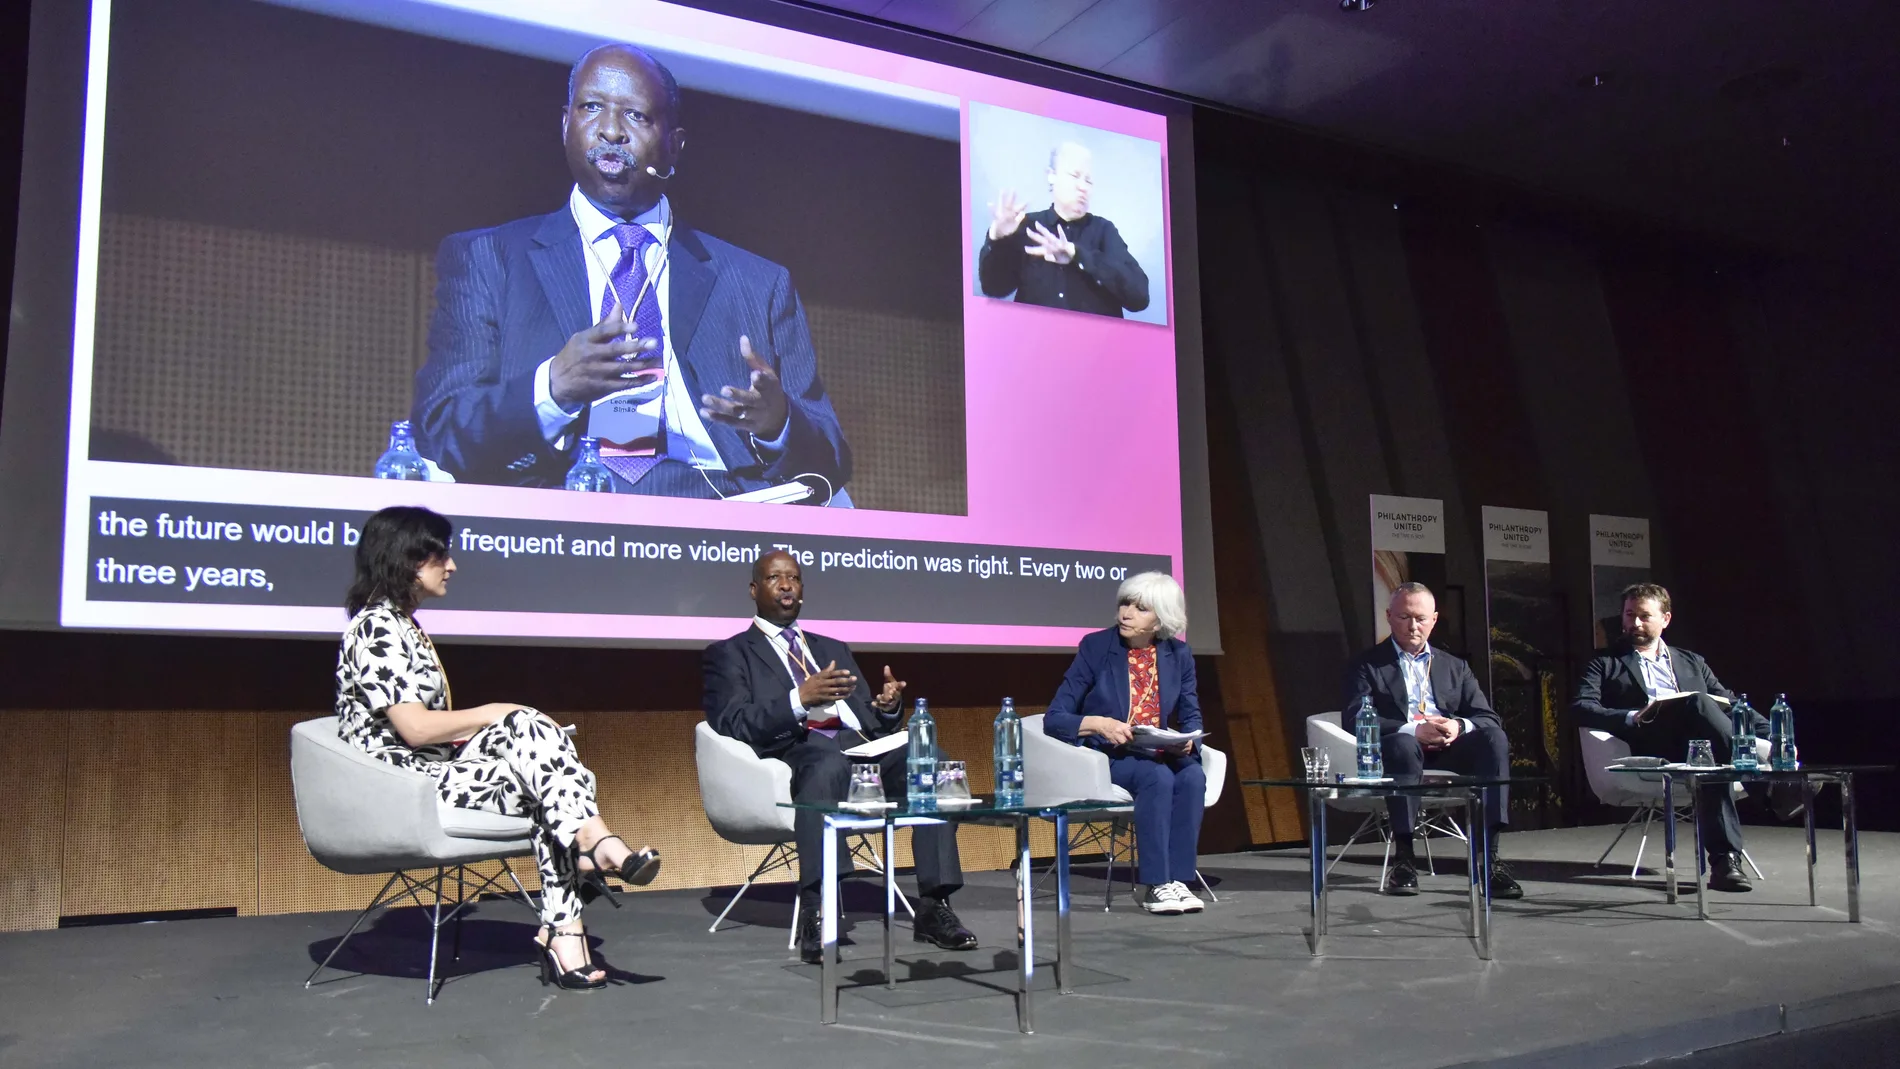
(575, 979)
(638, 870)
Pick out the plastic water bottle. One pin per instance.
(1007, 755)
(921, 763)
(588, 474)
(1782, 757)
(400, 460)
(1742, 752)
(1370, 752)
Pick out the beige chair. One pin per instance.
(742, 794)
(1325, 732)
(1055, 772)
(360, 816)
(1641, 791)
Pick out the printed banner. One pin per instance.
(1525, 655)
(1408, 546)
(1619, 556)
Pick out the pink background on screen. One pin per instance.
(1071, 418)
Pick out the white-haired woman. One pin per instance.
(1137, 673)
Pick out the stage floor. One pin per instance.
(1590, 970)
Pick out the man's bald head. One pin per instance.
(778, 587)
(669, 85)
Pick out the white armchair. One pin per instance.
(742, 794)
(1641, 791)
(360, 816)
(1055, 772)
(1324, 731)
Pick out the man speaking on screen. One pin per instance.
(688, 357)
(1061, 257)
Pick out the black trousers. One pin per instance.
(1668, 737)
(1482, 751)
(822, 773)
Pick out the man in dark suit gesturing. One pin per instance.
(1431, 715)
(800, 698)
(1615, 694)
(688, 357)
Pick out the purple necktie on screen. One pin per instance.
(624, 283)
(802, 668)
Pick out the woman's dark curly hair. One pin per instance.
(396, 543)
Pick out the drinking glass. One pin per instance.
(1701, 753)
(1325, 766)
(953, 781)
(867, 785)
(1309, 756)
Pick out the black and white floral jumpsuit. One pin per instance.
(521, 765)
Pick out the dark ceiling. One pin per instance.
(1772, 122)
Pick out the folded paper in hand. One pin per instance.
(1150, 739)
(877, 747)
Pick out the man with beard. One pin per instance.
(688, 357)
(1618, 693)
(799, 697)
(1064, 257)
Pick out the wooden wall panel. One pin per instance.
(32, 834)
(161, 812)
(204, 798)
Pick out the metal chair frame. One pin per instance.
(1647, 811)
(785, 856)
(437, 884)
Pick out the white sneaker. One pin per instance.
(1158, 898)
(1189, 903)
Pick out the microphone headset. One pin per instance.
(662, 177)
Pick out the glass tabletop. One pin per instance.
(982, 805)
(1393, 786)
(1729, 773)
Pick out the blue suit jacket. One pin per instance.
(509, 297)
(1096, 684)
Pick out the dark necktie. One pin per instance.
(803, 668)
(624, 285)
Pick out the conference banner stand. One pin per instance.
(1619, 556)
(1408, 546)
(1524, 660)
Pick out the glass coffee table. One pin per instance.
(1471, 789)
(1811, 778)
(841, 818)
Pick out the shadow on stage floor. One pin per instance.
(1591, 969)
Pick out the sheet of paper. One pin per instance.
(876, 747)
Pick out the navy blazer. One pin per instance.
(746, 691)
(509, 297)
(1611, 687)
(1096, 684)
(1377, 672)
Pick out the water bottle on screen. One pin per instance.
(588, 474)
(1782, 757)
(400, 460)
(1742, 752)
(920, 767)
(1371, 752)
(1008, 755)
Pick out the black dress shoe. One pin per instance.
(811, 947)
(1401, 877)
(1725, 874)
(937, 923)
(1503, 884)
